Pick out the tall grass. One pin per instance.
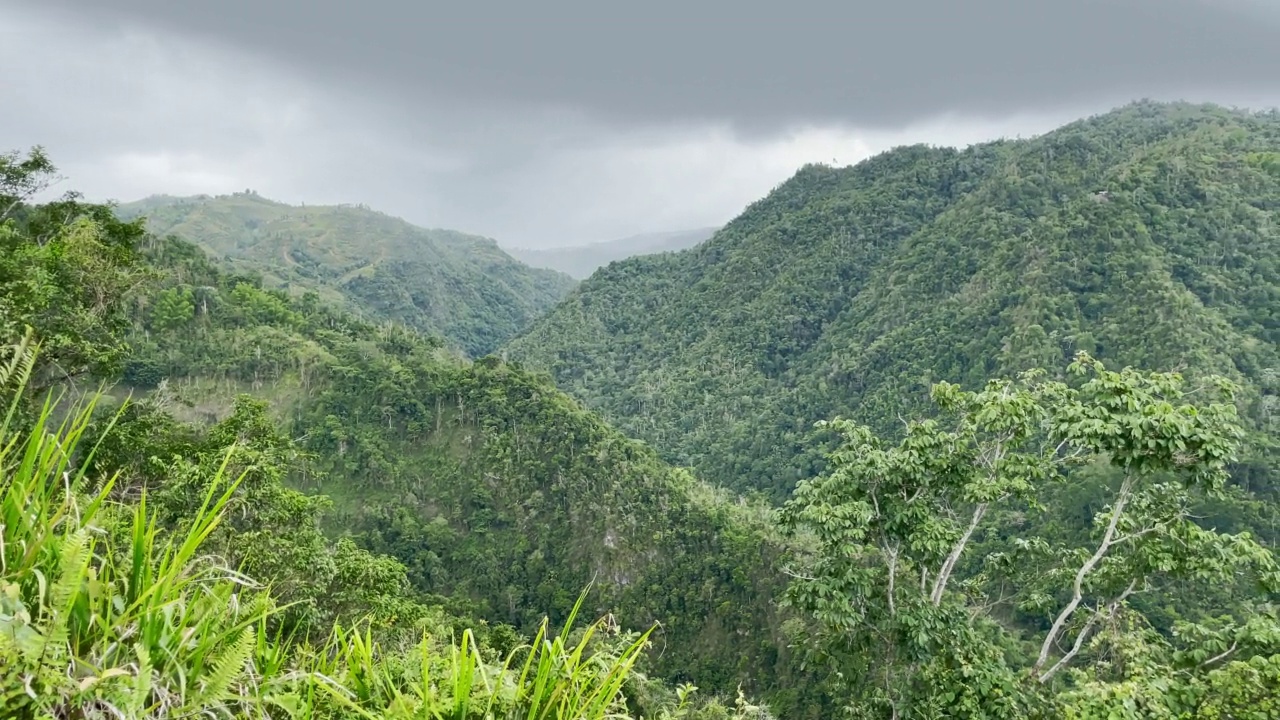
(556, 680)
(151, 629)
(104, 614)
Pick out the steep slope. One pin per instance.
(503, 498)
(461, 287)
(1145, 236)
(580, 262)
(498, 492)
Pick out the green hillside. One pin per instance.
(1145, 236)
(460, 287)
(162, 546)
(492, 487)
(498, 497)
(283, 511)
(579, 262)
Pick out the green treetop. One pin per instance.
(917, 625)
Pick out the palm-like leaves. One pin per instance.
(148, 627)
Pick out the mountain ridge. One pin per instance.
(462, 287)
(845, 290)
(475, 493)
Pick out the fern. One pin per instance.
(16, 371)
(73, 567)
(227, 668)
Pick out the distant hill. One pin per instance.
(461, 287)
(580, 262)
(1145, 236)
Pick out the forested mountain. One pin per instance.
(493, 488)
(276, 509)
(1145, 236)
(460, 287)
(496, 498)
(580, 261)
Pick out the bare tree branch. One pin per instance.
(1235, 645)
(1112, 607)
(789, 573)
(1077, 590)
(893, 575)
(1075, 647)
(944, 574)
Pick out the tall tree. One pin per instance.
(904, 611)
(67, 269)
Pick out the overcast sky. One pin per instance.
(558, 123)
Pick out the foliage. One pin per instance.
(460, 287)
(500, 496)
(299, 398)
(410, 517)
(918, 626)
(1145, 237)
(149, 629)
(105, 613)
(64, 267)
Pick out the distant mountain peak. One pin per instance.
(461, 287)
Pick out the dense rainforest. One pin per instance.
(448, 284)
(490, 494)
(221, 495)
(1145, 236)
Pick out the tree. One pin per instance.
(23, 178)
(902, 609)
(272, 531)
(66, 269)
(174, 307)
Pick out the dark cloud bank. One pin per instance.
(566, 122)
(882, 63)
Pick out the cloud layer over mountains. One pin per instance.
(557, 123)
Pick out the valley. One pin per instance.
(581, 261)
(990, 432)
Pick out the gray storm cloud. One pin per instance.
(757, 64)
(559, 123)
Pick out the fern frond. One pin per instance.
(73, 568)
(15, 373)
(228, 667)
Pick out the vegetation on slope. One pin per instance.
(1145, 237)
(491, 486)
(1063, 545)
(107, 611)
(935, 589)
(460, 287)
(581, 261)
(500, 495)
(171, 569)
